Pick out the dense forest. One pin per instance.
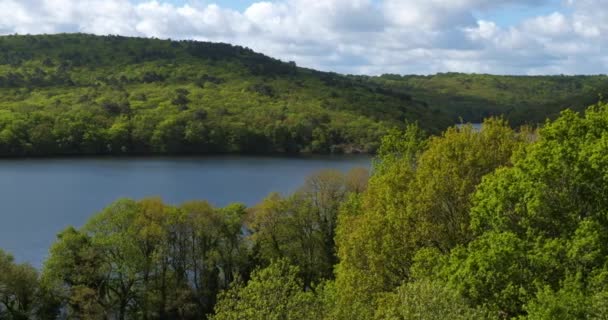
(83, 94)
(521, 99)
(77, 94)
(494, 223)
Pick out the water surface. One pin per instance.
(40, 197)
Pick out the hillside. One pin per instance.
(83, 94)
(75, 94)
(522, 99)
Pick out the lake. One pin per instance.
(476, 126)
(41, 197)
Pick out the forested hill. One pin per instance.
(521, 99)
(84, 94)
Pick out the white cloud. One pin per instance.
(164, 20)
(553, 25)
(353, 36)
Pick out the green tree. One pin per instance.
(301, 227)
(275, 292)
(426, 300)
(73, 275)
(541, 225)
(418, 197)
(145, 259)
(19, 289)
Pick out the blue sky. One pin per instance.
(506, 16)
(514, 14)
(354, 36)
(240, 5)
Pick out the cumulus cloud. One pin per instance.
(352, 36)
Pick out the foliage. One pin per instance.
(75, 94)
(272, 293)
(472, 224)
(521, 99)
(551, 207)
(419, 198)
(301, 227)
(426, 300)
(19, 289)
(147, 259)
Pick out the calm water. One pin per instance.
(40, 197)
(476, 126)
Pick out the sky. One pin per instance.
(373, 37)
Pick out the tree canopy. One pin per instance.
(493, 223)
(520, 99)
(77, 94)
(74, 94)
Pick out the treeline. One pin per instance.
(149, 260)
(520, 99)
(490, 224)
(76, 94)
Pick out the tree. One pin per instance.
(301, 227)
(545, 215)
(148, 260)
(367, 236)
(418, 197)
(426, 300)
(180, 98)
(275, 292)
(571, 301)
(19, 289)
(72, 275)
(493, 272)
(168, 135)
